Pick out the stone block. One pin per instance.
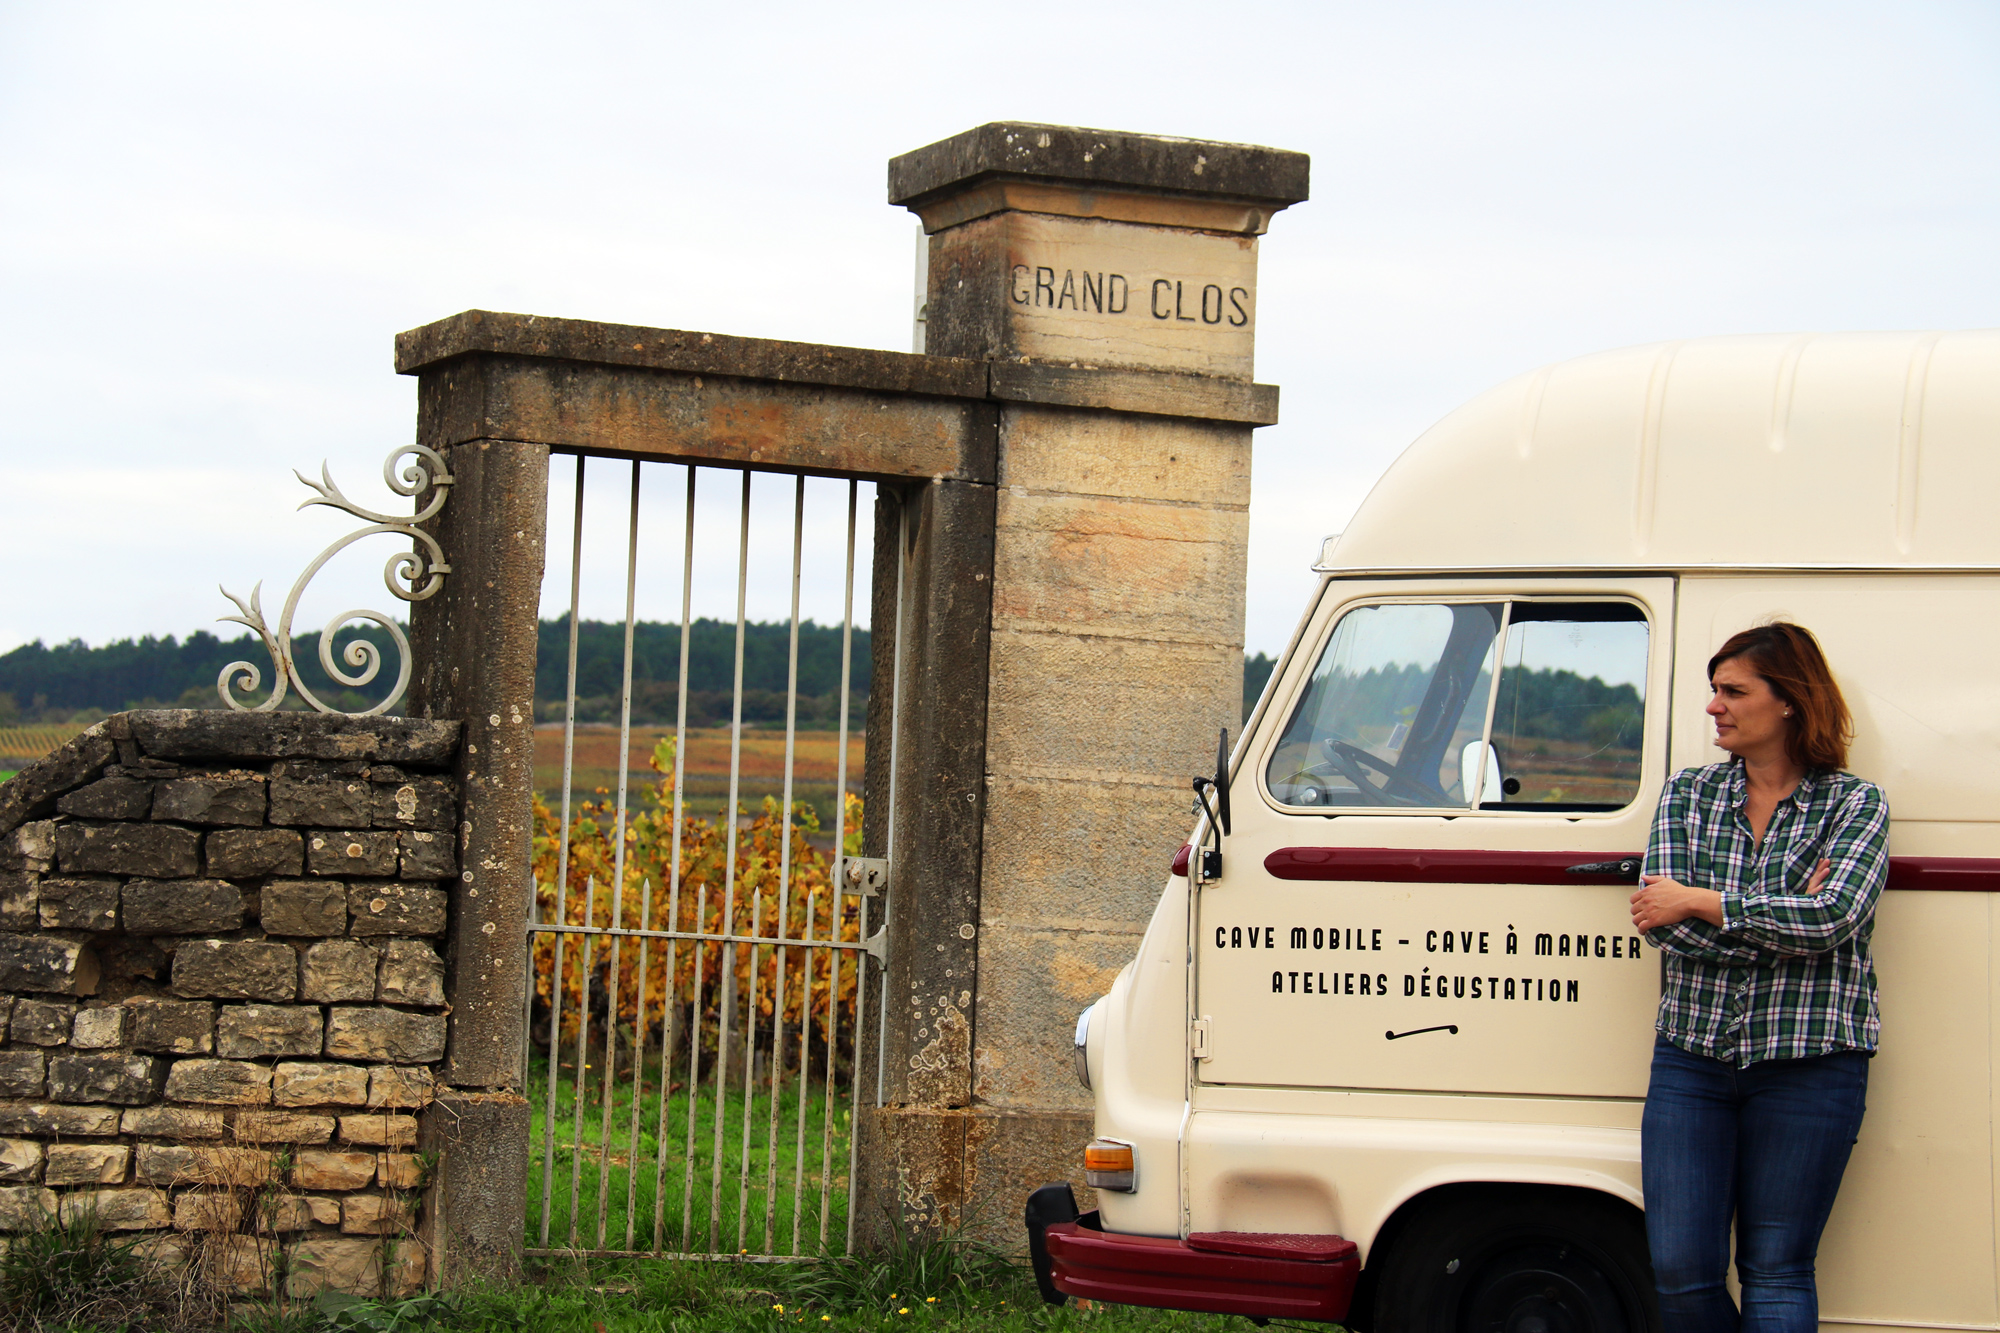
(213, 733)
(79, 902)
(21, 1073)
(399, 1171)
(20, 900)
(20, 1161)
(31, 847)
(351, 1264)
(388, 907)
(255, 1031)
(157, 851)
(386, 1036)
(6, 1014)
(236, 970)
(400, 1088)
(182, 907)
(172, 1122)
(321, 802)
(206, 1210)
(377, 1215)
(421, 803)
(1080, 855)
(164, 1256)
(219, 1083)
(176, 1164)
(42, 1022)
(106, 1076)
(1032, 984)
(119, 1210)
(99, 1029)
(86, 1164)
(283, 1127)
(1169, 574)
(284, 1213)
(235, 798)
(338, 970)
(411, 973)
(300, 1084)
(241, 853)
(379, 1131)
(371, 853)
(1082, 451)
(172, 1027)
(304, 907)
(70, 1122)
(1062, 706)
(240, 1265)
(427, 855)
(26, 1207)
(325, 1211)
(333, 1170)
(109, 798)
(48, 964)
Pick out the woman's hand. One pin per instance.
(1663, 902)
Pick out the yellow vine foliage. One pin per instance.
(654, 982)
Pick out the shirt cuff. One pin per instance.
(1732, 910)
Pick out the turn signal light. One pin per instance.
(1107, 1165)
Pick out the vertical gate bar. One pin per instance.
(839, 877)
(562, 856)
(860, 959)
(555, 1059)
(582, 1053)
(756, 973)
(785, 884)
(905, 513)
(638, 1065)
(726, 980)
(609, 1081)
(674, 872)
(670, 1002)
(810, 955)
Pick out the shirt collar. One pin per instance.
(1739, 785)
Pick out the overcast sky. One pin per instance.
(214, 218)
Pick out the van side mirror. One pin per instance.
(1218, 816)
(1490, 788)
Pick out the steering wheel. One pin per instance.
(1350, 760)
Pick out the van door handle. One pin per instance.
(1625, 868)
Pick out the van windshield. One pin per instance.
(1403, 709)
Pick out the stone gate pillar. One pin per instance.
(1110, 281)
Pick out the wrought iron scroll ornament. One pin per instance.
(411, 575)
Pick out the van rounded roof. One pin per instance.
(1833, 450)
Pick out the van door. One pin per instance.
(1402, 904)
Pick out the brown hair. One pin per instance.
(1789, 659)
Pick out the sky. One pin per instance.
(215, 217)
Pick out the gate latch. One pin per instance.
(867, 876)
(1198, 1039)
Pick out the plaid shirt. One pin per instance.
(1789, 974)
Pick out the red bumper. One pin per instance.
(1225, 1273)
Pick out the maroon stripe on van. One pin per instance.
(1402, 865)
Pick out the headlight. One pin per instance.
(1083, 1046)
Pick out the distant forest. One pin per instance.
(43, 684)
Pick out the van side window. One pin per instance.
(1403, 709)
(1571, 709)
(1399, 692)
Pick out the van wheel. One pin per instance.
(1519, 1261)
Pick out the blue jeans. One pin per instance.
(1764, 1146)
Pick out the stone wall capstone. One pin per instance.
(220, 982)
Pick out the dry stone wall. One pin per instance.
(222, 999)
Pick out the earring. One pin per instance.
(1788, 712)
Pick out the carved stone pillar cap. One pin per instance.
(1146, 178)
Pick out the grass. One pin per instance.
(732, 1210)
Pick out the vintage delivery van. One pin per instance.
(1382, 1054)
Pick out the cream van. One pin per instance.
(1381, 1057)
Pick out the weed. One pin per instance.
(70, 1271)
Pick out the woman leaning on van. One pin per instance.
(1760, 893)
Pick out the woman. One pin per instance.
(1760, 892)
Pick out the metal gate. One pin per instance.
(701, 987)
